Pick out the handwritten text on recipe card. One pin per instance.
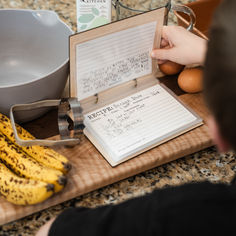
(114, 59)
(138, 119)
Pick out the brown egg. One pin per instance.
(190, 80)
(170, 68)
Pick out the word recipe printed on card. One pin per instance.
(138, 121)
(113, 59)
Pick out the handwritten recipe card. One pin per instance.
(114, 59)
(137, 122)
(104, 61)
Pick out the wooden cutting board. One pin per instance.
(90, 170)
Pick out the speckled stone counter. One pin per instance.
(204, 165)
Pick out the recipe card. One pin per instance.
(137, 123)
(114, 59)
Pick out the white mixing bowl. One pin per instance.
(34, 58)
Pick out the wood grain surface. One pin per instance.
(90, 170)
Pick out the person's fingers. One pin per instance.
(164, 32)
(173, 34)
(159, 62)
(161, 54)
(166, 35)
(164, 43)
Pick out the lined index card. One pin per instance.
(114, 59)
(138, 121)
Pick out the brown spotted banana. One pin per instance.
(23, 191)
(44, 155)
(25, 166)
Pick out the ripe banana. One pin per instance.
(24, 165)
(23, 191)
(44, 155)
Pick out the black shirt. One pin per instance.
(191, 209)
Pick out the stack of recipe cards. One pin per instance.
(126, 110)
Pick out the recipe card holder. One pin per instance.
(112, 62)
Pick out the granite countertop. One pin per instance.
(205, 165)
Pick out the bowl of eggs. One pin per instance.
(34, 55)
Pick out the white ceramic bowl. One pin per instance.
(34, 58)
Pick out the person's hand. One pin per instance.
(180, 46)
(44, 230)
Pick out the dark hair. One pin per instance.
(220, 70)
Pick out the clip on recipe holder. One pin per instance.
(70, 112)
